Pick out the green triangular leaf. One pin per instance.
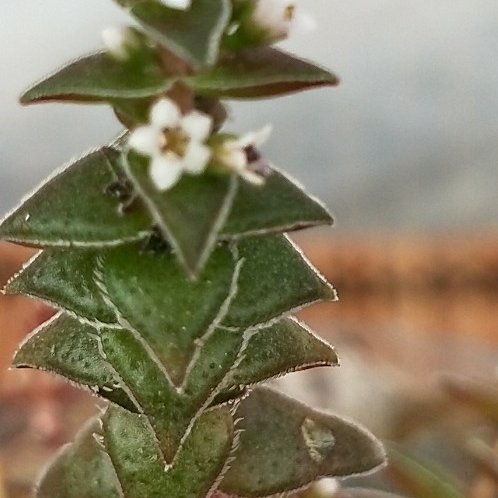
(286, 445)
(170, 411)
(275, 279)
(279, 205)
(67, 347)
(260, 72)
(152, 293)
(118, 365)
(287, 346)
(140, 469)
(64, 279)
(72, 208)
(284, 347)
(191, 214)
(81, 469)
(99, 77)
(193, 35)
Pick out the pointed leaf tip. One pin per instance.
(268, 260)
(73, 208)
(191, 214)
(69, 348)
(287, 346)
(258, 73)
(279, 205)
(193, 35)
(98, 78)
(65, 278)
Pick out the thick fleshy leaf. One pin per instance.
(191, 214)
(152, 293)
(279, 205)
(286, 445)
(116, 364)
(284, 347)
(73, 209)
(260, 72)
(419, 479)
(69, 348)
(81, 469)
(140, 469)
(99, 77)
(118, 457)
(193, 35)
(64, 278)
(170, 412)
(275, 279)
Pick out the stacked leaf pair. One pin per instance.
(174, 304)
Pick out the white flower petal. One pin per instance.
(197, 125)
(235, 158)
(165, 170)
(177, 4)
(251, 177)
(165, 114)
(303, 23)
(261, 136)
(250, 139)
(118, 40)
(147, 140)
(196, 158)
(275, 16)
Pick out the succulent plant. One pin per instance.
(167, 258)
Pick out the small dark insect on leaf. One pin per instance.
(155, 242)
(122, 189)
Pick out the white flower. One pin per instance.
(240, 155)
(177, 4)
(279, 17)
(120, 41)
(174, 142)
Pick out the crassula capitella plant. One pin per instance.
(166, 256)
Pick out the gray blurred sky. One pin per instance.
(409, 139)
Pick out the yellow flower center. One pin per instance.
(176, 140)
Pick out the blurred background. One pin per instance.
(405, 154)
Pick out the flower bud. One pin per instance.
(121, 41)
(274, 17)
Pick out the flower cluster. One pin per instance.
(176, 144)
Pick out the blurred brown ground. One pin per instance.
(403, 300)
